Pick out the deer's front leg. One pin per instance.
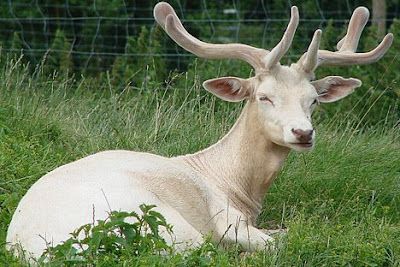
(240, 232)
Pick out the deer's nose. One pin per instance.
(303, 136)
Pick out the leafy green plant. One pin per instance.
(114, 236)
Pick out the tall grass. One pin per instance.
(340, 202)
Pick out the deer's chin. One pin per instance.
(302, 147)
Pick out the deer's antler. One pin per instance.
(260, 59)
(346, 54)
(282, 47)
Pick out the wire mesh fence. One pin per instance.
(94, 33)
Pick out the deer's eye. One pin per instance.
(315, 102)
(265, 98)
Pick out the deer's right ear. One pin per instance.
(231, 89)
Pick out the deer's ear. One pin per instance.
(231, 89)
(333, 88)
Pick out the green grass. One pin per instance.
(340, 202)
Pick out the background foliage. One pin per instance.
(119, 40)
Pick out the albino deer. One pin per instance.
(218, 191)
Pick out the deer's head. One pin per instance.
(284, 96)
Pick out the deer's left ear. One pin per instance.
(333, 88)
(231, 89)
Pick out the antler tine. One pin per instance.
(356, 25)
(346, 54)
(309, 60)
(283, 46)
(169, 21)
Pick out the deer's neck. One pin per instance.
(243, 164)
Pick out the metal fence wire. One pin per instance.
(95, 32)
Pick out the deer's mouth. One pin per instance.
(302, 146)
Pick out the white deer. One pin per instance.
(218, 191)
